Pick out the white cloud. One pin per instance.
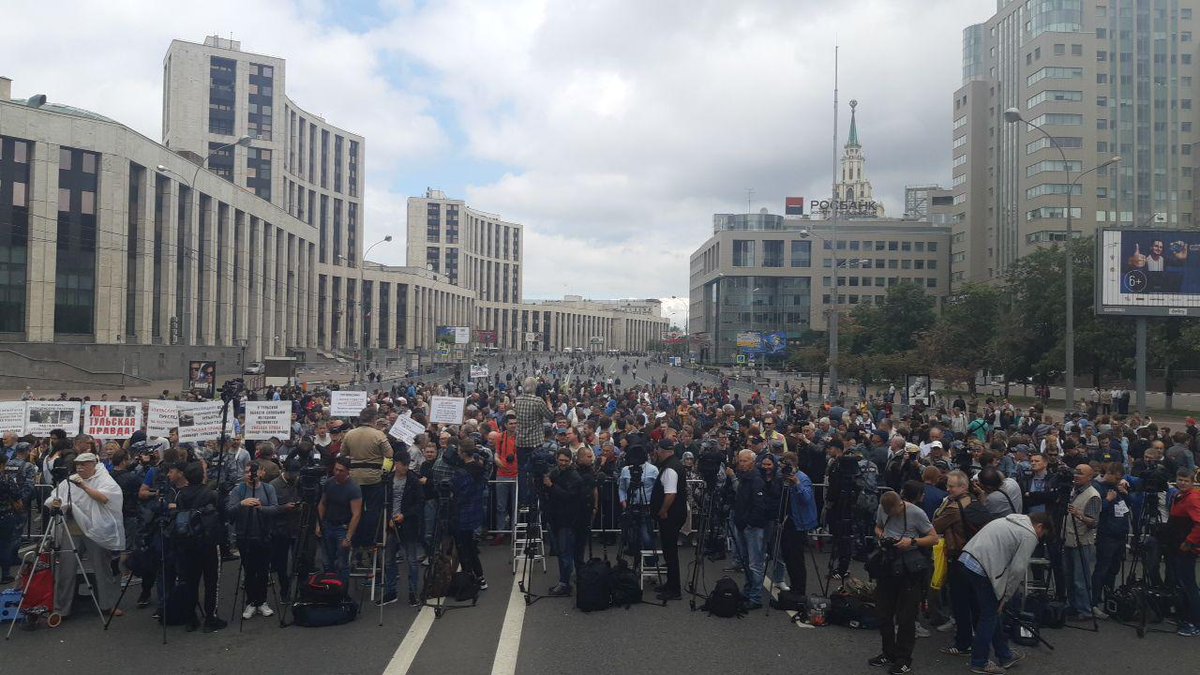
(623, 125)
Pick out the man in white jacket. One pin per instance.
(91, 501)
(995, 560)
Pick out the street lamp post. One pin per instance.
(362, 351)
(1013, 116)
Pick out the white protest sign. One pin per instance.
(107, 419)
(161, 418)
(200, 421)
(446, 409)
(478, 371)
(12, 417)
(268, 419)
(347, 403)
(42, 417)
(406, 429)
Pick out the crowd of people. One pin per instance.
(982, 488)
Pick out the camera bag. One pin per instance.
(725, 600)
(593, 592)
(464, 586)
(319, 614)
(625, 588)
(323, 587)
(847, 610)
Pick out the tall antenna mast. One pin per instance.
(749, 196)
(833, 190)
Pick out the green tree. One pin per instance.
(893, 326)
(961, 340)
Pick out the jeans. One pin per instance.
(1183, 565)
(368, 531)
(565, 536)
(963, 605)
(989, 633)
(897, 600)
(397, 548)
(505, 488)
(1081, 560)
(1110, 552)
(750, 543)
(256, 565)
(337, 559)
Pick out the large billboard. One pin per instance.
(201, 378)
(1148, 272)
(453, 335)
(757, 342)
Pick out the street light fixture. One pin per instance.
(362, 351)
(1013, 116)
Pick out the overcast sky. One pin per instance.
(612, 129)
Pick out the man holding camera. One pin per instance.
(404, 530)
(505, 443)
(800, 519)
(367, 448)
(196, 558)
(903, 530)
(750, 514)
(91, 501)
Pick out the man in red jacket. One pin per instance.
(1184, 525)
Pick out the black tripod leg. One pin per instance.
(112, 612)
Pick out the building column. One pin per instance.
(254, 323)
(43, 243)
(169, 269)
(208, 265)
(144, 291)
(242, 238)
(224, 301)
(190, 272)
(112, 225)
(270, 329)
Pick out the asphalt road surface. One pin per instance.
(503, 635)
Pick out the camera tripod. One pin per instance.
(303, 551)
(705, 530)
(49, 543)
(783, 519)
(1148, 579)
(534, 530)
(444, 546)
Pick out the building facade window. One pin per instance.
(352, 169)
(743, 253)
(75, 278)
(258, 172)
(261, 108)
(15, 173)
(772, 253)
(222, 82)
(801, 254)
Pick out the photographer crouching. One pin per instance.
(899, 568)
(91, 501)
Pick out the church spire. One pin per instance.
(853, 140)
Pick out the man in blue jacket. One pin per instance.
(800, 519)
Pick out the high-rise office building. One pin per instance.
(1104, 78)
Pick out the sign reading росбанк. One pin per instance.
(844, 207)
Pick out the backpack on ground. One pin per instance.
(181, 605)
(441, 574)
(593, 590)
(318, 614)
(464, 586)
(324, 587)
(624, 585)
(847, 610)
(725, 600)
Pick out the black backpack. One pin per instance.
(850, 611)
(324, 587)
(593, 591)
(181, 605)
(191, 526)
(974, 516)
(319, 614)
(624, 586)
(725, 600)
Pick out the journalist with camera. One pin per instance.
(404, 530)
(899, 566)
(339, 514)
(193, 529)
(468, 483)
(565, 508)
(251, 505)
(91, 501)
(14, 499)
(635, 485)
(841, 501)
(668, 504)
(285, 521)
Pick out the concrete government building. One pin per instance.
(242, 229)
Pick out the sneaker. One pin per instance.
(249, 611)
(878, 661)
(1188, 630)
(386, 599)
(214, 624)
(955, 651)
(559, 589)
(782, 587)
(229, 557)
(143, 601)
(947, 627)
(413, 601)
(1099, 613)
(988, 668)
(1012, 659)
(673, 595)
(922, 631)
(265, 610)
(899, 669)
(483, 584)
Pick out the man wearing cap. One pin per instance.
(91, 501)
(668, 504)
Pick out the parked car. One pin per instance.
(254, 368)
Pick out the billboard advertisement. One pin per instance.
(793, 206)
(750, 339)
(774, 343)
(1148, 272)
(485, 337)
(452, 335)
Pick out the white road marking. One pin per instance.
(510, 632)
(411, 644)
